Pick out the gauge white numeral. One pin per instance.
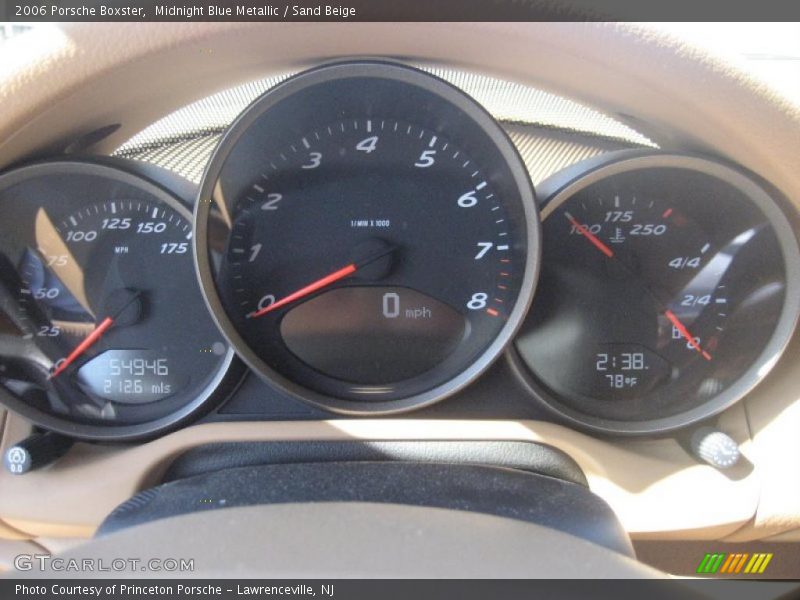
(478, 301)
(315, 160)
(58, 260)
(46, 293)
(692, 300)
(391, 305)
(468, 200)
(648, 229)
(690, 345)
(272, 202)
(151, 227)
(368, 144)
(175, 248)
(115, 223)
(593, 229)
(426, 159)
(621, 216)
(685, 262)
(254, 251)
(266, 301)
(81, 236)
(48, 331)
(484, 248)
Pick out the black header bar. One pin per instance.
(398, 10)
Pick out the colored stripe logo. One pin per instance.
(734, 564)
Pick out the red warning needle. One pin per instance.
(685, 333)
(584, 231)
(324, 281)
(96, 334)
(309, 289)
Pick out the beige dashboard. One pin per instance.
(91, 75)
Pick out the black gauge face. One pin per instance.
(666, 293)
(378, 237)
(105, 326)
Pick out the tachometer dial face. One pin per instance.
(378, 237)
(666, 293)
(110, 330)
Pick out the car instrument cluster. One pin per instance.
(366, 239)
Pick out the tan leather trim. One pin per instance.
(656, 489)
(7, 532)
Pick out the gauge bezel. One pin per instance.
(224, 379)
(401, 73)
(565, 184)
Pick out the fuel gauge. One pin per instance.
(669, 286)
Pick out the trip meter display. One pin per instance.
(106, 331)
(669, 287)
(131, 376)
(378, 234)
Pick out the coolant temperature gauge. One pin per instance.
(666, 283)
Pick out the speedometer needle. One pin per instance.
(321, 283)
(96, 334)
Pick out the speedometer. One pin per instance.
(670, 287)
(378, 234)
(103, 330)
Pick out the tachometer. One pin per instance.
(669, 288)
(378, 234)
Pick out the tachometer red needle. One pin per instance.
(685, 333)
(584, 231)
(309, 289)
(96, 334)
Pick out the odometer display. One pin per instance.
(378, 233)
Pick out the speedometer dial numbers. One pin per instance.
(379, 237)
(669, 285)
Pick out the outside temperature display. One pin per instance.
(665, 281)
(626, 369)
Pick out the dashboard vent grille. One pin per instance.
(550, 132)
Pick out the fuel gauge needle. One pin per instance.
(685, 333)
(584, 231)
